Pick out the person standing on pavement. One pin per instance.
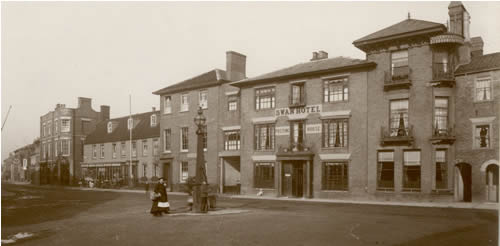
(160, 204)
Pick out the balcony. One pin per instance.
(442, 75)
(295, 150)
(400, 78)
(297, 101)
(396, 136)
(443, 136)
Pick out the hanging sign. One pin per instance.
(313, 128)
(298, 110)
(282, 131)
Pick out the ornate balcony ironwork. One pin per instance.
(399, 78)
(396, 136)
(443, 136)
(442, 75)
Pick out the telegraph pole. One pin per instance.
(7, 116)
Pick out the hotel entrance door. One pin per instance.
(293, 179)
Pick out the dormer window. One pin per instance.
(110, 127)
(130, 123)
(153, 120)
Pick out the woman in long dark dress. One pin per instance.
(160, 204)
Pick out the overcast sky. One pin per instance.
(55, 52)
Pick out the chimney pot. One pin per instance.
(477, 46)
(322, 54)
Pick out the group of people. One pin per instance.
(160, 199)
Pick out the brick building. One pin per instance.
(62, 136)
(221, 106)
(108, 148)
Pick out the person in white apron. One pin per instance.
(160, 199)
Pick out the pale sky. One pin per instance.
(55, 52)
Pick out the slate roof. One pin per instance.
(210, 78)
(480, 64)
(309, 68)
(142, 129)
(403, 27)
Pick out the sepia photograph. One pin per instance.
(250, 123)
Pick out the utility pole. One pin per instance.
(130, 125)
(7, 116)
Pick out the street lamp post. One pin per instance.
(200, 177)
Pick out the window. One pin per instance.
(110, 127)
(232, 103)
(155, 147)
(65, 147)
(130, 123)
(482, 136)
(167, 136)
(385, 170)
(184, 139)
(44, 132)
(167, 108)
(48, 145)
(184, 171)
(264, 137)
(298, 134)
(483, 89)
(145, 148)
(335, 133)
(153, 120)
(232, 140)
(122, 149)
(440, 115)
(65, 125)
(203, 99)
(399, 118)
(411, 171)
(49, 126)
(265, 98)
(335, 176)
(144, 169)
(184, 102)
(441, 170)
(114, 151)
(399, 64)
(134, 149)
(56, 126)
(336, 90)
(102, 151)
(57, 147)
(297, 94)
(264, 175)
(94, 151)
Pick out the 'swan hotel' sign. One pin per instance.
(298, 113)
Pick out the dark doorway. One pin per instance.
(293, 179)
(166, 173)
(466, 175)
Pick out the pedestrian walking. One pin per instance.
(160, 199)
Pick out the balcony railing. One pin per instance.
(299, 101)
(396, 136)
(443, 136)
(398, 78)
(442, 75)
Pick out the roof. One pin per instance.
(309, 68)
(142, 129)
(404, 27)
(480, 64)
(210, 78)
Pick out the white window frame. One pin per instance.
(183, 175)
(167, 139)
(482, 79)
(113, 150)
(110, 127)
(153, 120)
(184, 105)
(102, 151)
(66, 128)
(481, 121)
(130, 123)
(145, 148)
(68, 142)
(94, 151)
(123, 149)
(167, 105)
(203, 99)
(181, 138)
(134, 149)
(56, 126)
(155, 146)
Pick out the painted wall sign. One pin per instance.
(299, 110)
(313, 128)
(282, 131)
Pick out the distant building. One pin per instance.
(62, 136)
(108, 148)
(222, 107)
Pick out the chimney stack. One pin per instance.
(315, 56)
(235, 66)
(105, 112)
(154, 108)
(477, 47)
(459, 19)
(319, 55)
(84, 102)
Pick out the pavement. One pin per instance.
(436, 204)
(34, 215)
